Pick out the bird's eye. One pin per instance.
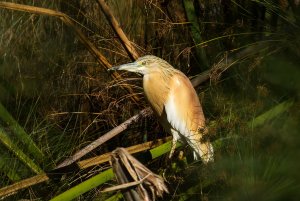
(144, 63)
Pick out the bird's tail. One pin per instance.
(204, 151)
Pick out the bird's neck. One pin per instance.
(156, 90)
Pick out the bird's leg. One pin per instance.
(174, 141)
(173, 147)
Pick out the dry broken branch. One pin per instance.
(127, 169)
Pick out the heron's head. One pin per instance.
(144, 65)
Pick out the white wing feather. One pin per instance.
(173, 117)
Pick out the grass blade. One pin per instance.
(85, 186)
(6, 169)
(270, 114)
(23, 137)
(4, 138)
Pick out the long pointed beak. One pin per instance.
(132, 67)
(114, 68)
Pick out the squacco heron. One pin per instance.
(175, 103)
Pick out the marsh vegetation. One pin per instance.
(56, 96)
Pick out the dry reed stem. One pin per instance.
(117, 29)
(23, 184)
(133, 149)
(69, 22)
(127, 168)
